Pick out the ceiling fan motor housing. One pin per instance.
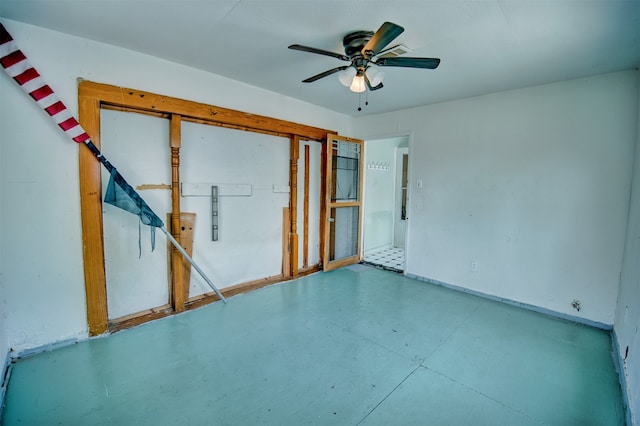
(354, 42)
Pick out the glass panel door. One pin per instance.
(343, 204)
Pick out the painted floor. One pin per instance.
(391, 258)
(356, 346)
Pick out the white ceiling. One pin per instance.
(485, 45)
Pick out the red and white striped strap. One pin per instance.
(16, 64)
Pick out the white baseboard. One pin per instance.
(560, 315)
(25, 353)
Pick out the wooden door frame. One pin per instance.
(92, 97)
(294, 239)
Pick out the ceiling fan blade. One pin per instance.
(429, 63)
(385, 35)
(324, 74)
(319, 51)
(372, 88)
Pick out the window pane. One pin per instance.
(345, 179)
(344, 232)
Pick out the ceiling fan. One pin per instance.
(364, 49)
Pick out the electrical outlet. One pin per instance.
(474, 266)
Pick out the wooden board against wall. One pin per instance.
(187, 226)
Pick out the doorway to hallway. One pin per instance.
(386, 199)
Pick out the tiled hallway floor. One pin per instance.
(390, 258)
(355, 346)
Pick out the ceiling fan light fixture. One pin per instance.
(346, 76)
(358, 84)
(375, 76)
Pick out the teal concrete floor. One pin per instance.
(349, 347)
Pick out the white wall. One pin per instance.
(136, 275)
(249, 245)
(4, 339)
(627, 322)
(40, 233)
(533, 184)
(379, 191)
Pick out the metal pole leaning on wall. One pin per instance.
(123, 183)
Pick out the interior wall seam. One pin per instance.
(618, 362)
(6, 373)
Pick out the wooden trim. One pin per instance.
(294, 155)
(251, 285)
(323, 201)
(309, 270)
(293, 244)
(344, 204)
(146, 101)
(235, 127)
(187, 226)
(177, 262)
(305, 209)
(119, 108)
(91, 207)
(206, 298)
(326, 255)
(360, 196)
(198, 301)
(286, 250)
(138, 318)
(148, 186)
(94, 96)
(193, 120)
(203, 300)
(346, 261)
